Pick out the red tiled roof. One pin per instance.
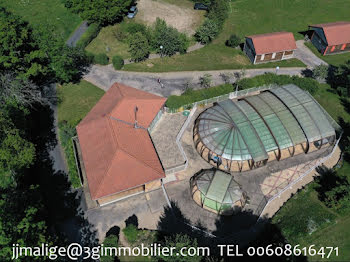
(336, 33)
(116, 155)
(273, 42)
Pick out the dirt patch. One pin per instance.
(184, 19)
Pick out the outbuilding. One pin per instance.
(270, 47)
(331, 38)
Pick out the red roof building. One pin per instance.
(331, 38)
(117, 153)
(270, 47)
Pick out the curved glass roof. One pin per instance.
(255, 125)
(217, 189)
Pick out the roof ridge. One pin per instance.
(116, 149)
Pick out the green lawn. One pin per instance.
(335, 60)
(305, 211)
(45, 12)
(252, 17)
(211, 57)
(107, 43)
(76, 100)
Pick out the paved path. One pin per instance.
(74, 38)
(304, 54)
(173, 82)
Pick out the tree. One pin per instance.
(19, 51)
(103, 12)
(207, 31)
(233, 41)
(320, 72)
(66, 63)
(180, 241)
(139, 47)
(169, 38)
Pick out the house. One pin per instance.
(117, 153)
(331, 38)
(269, 47)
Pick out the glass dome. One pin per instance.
(217, 191)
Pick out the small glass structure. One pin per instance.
(217, 192)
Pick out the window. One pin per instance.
(332, 49)
(343, 46)
(263, 57)
(273, 55)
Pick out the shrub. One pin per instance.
(205, 80)
(89, 35)
(139, 47)
(207, 31)
(131, 233)
(118, 62)
(233, 41)
(101, 59)
(110, 241)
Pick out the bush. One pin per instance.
(207, 31)
(307, 84)
(101, 59)
(320, 72)
(131, 233)
(233, 41)
(110, 241)
(191, 96)
(89, 35)
(118, 62)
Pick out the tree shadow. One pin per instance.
(346, 104)
(307, 73)
(306, 33)
(262, 233)
(115, 230)
(132, 220)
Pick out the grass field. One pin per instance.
(76, 100)
(108, 44)
(296, 217)
(45, 12)
(335, 60)
(253, 17)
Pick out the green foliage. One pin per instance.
(19, 51)
(233, 41)
(101, 59)
(110, 241)
(205, 80)
(118, 62)
(169, 38)
(133, 28)
(207, 31)
(66, 132)
(320, 72)
(191, 96)
(89, 35)
(103, 12)
(15, 152)
(180, 241)
(307, 84)
(131, 233)
(139, 47)
(218, 12)
(342, 77)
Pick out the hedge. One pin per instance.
(191, 96)
(66, 132)
(307, 84)
(89, 35)
(101, 59)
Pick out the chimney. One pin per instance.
(136, 109)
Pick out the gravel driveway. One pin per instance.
(305, 55)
